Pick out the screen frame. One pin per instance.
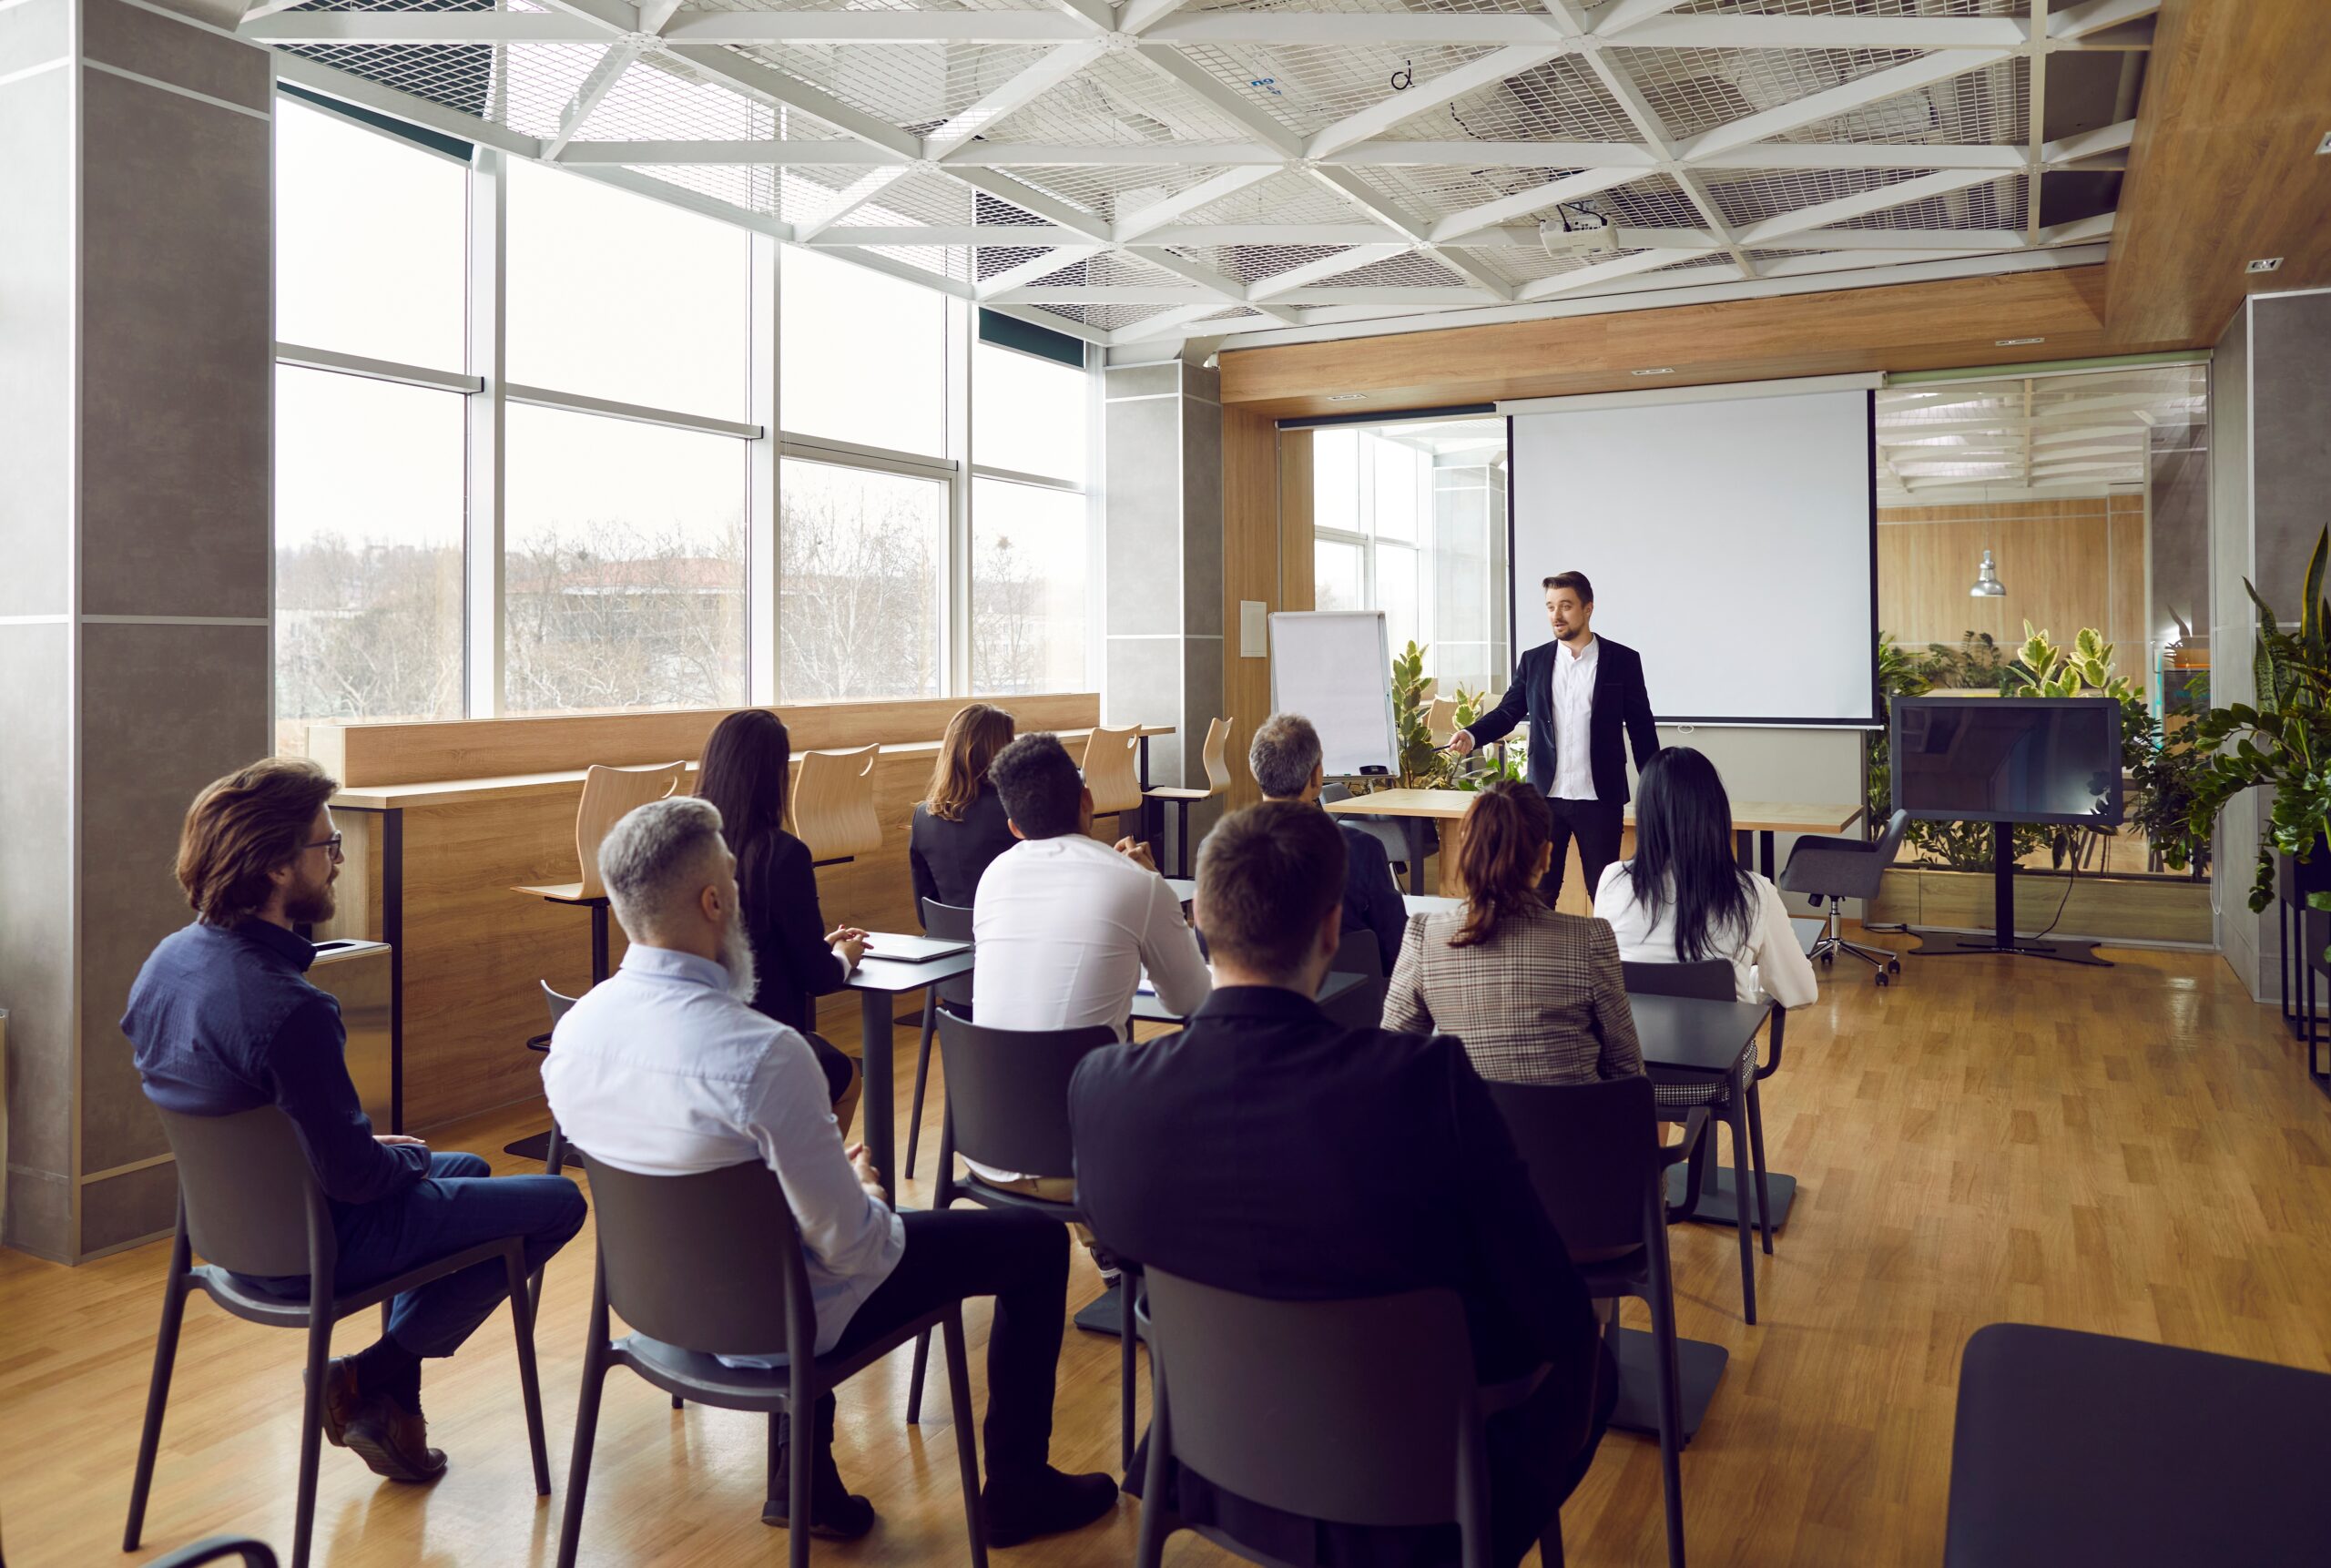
(2118, 797)
(1874, 720)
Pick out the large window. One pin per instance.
(1409, 519)
(678, 420)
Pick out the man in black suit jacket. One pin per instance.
(1266, 1150)
(1285, 759)
(1580, 693)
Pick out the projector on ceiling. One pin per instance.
(1577, 230)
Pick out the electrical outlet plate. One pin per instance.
(2322, 147)
(2265, 264)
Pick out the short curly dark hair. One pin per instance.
(1039, 785)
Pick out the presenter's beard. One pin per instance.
(737, 958)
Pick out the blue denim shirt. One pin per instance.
(224, 1020)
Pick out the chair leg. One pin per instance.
(914, 1378)
(922, 1076)
(1756, 1148)
(1127, 1335)
(797, 1491)
(157, 1398)
(1550, 1544)
(1736, 1116)
(523, 1295)
(1156, 1521)
(587, 1432)
(1661, 1298)
(311, 1431)
(967, 1452)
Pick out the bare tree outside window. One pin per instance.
(610, 615)
(859, 583)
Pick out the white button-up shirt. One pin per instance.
(1061, 929)
(1767, 959)
(1573, 680)
(659, 1071)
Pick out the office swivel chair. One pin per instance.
(1839, 869)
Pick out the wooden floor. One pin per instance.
(2133, 1150)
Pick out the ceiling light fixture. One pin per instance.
(1986, 581)
(1347, 397)
(1656, 371)
(2015, 342)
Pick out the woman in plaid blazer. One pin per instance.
(1537, 997)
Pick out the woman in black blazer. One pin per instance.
(745, 773)
(960, 827)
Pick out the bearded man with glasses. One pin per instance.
(223, 1020)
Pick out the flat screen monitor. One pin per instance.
(2007, 760)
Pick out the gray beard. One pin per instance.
(737, 958)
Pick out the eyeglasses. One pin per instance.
(330, 846)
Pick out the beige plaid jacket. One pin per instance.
(1541, 1001)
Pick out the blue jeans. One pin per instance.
(457, 1206)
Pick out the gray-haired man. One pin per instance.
(665, 1069)
(1285, 759)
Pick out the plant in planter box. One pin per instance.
(2283, 739)
(1423, 764)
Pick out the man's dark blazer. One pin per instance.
(1267, 1150)
(1621, 704)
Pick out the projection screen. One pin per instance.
(1732, 541)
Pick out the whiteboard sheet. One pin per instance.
(1334, 668)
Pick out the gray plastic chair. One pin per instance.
(555, 1157)
(1731, 1098)
(1007, 1107)
(1600, 1173)
(715, 1259)
(1836, 868)
(249, 1203)
(952, 922)
(1291, 1403)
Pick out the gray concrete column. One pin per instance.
(1161, 542)
(137, 260)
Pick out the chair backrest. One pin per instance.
(1217, 765)
(705, 1262)
(1441, 719)
(832, 803)
(1342, 1411)
(559, 1004)
(1711, 979)
(1593, 1150)
(1007, 1092)
(609, 795)
(247, 1187)
(1357, 953)
(1890, 840)
(1109, 770)
(952, 922)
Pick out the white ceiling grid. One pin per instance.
(2032, 436)
(1163, 169)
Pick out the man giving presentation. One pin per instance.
(1579, 692)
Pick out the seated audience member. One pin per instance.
(224, 1020)
(1267, 1150)
(1286, 761)
(960, 827)
(746, 773)
(1537, 997)
(663, 1070)
(1685, 898)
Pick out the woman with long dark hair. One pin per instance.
(1684, 899)
(745, 774)
(959, 825)
(1537, 997)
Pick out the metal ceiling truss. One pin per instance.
(1152, 126)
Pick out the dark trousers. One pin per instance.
(1596, 824)
(456, 1206)
(1022, 1260)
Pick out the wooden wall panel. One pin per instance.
(1250, 571)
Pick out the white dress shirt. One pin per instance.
(1766, 956)
(1573, 678)
(659, 1071)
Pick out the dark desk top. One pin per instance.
(2082, 1448)
(1148, 1009)
(1691, 1033)
(895, 975)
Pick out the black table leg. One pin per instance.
(875, 1110)
(1765, 853)
(1744, 848)
(1412, 829)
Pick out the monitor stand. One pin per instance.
(1944, 944)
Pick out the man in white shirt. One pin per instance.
(665, 1069)
(1584, 700)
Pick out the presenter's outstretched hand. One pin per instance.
(1137, 851)
(1462, 743)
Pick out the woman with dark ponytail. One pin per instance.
(1684, 899)
(1537, 997)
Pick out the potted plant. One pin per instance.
(2282, 739)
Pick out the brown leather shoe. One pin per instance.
(395, 1441)
(342, 1399)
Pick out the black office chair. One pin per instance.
(249, 1202)
(1732, 1098)
(254, 1553)
(671, 1262)
(1006, 1107)
(952, 922)
(1835, 869)
(1360, 1006)
(1363, 1412)
(1600, 1173)
(1385, 832)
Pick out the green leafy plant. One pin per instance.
(1974, 663)
(2282, 739)
(1423, 764)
